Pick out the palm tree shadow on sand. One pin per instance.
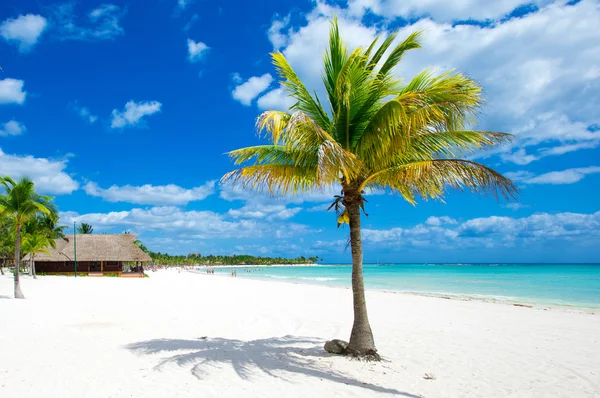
(274, 356)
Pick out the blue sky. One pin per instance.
(124, 110)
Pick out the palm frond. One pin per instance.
(429, 179)
(276, 179)
(410, 43)
(274, 123)
(296, 89)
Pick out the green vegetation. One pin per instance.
(36, 242)
(20, 205)
(85, 229)
(378, 132)
(241, 259)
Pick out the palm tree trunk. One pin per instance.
(33, 265)
(361, 339)
(18, 292)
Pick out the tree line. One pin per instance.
(212, 260)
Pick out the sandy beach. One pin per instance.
(190, 335)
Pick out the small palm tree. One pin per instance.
(21, 203)
(85, 229)
(34, 243)
(376, 133)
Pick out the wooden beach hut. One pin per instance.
(97, 254)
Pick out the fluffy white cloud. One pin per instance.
(268, 212)
(196, 50)
(103, 22)
(554, 79)
(24, 31)
(133, 113)
(192, 224)
(151, 194)
(276, 100)
(48, 174)
(437, 221)
(520, 157)
(250, 89)
(277, 38)
(12, 127)
(11, 91)
(185, 225)
(491, 232)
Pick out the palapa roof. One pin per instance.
(95, 247)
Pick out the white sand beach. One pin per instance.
(116, 337)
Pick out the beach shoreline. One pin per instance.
(178, 334)
(500, 300)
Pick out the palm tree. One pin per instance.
(85, 229)
(21, 202)
(7, 244)
(34, 243)
(376, 133)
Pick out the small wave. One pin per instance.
(277, 276)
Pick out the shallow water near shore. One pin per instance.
(576, 285)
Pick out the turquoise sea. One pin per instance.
(551, 284)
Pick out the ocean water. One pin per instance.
(551, 284)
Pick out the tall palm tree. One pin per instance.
(33, 243)
(376, 133)
(22, 203)
(85, 229)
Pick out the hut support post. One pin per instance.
(102, 266)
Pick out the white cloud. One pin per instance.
(84, 113)
(48, 174)
(569, 176)
(276, 99)
(441, 10)
(12, 127)
(196, 50)
(556, 75)
(560, 150)
(316, 208)
(268, 212)
(277, 38)
(515, 206)
(191, 226)
(24, 31)
(151, 194)
(437, 221)
(11, 91)
(520, 157)
(134, 112)
(103, 22)
(489, 232)
(247, 91)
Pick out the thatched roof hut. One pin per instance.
(95, 253)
